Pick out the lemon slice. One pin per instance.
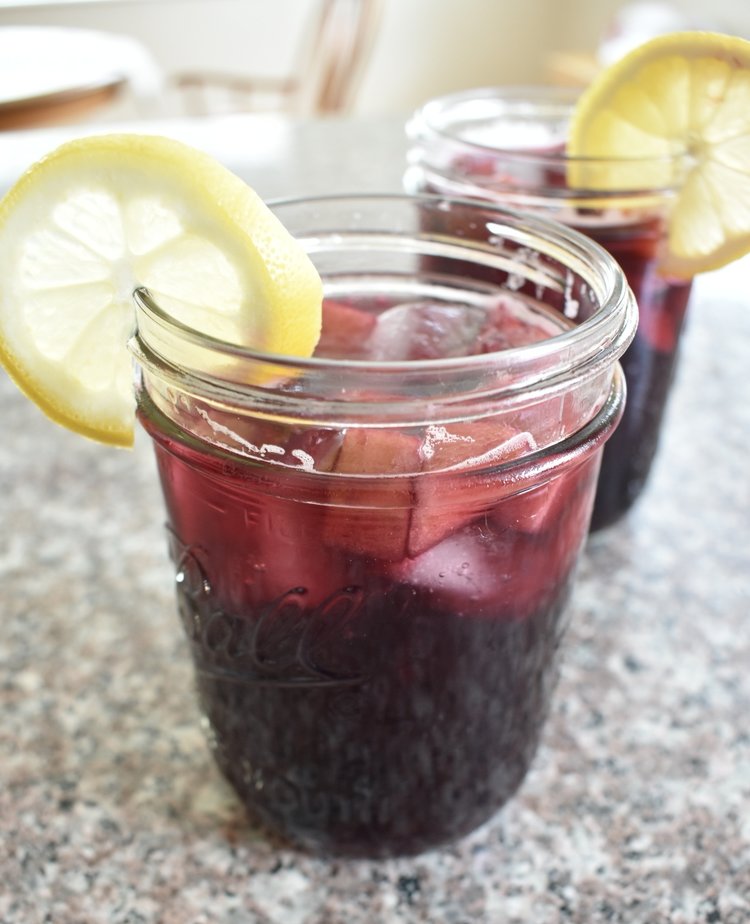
(102, 215)
(676, 110)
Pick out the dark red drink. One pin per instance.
(372, 575)
(364, 704)
(649, 364)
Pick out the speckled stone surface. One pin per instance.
(636, 810)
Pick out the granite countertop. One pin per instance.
(637, 808)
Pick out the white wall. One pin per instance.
(428, 47)
(424, 47)
(582, 23)
(247, 36)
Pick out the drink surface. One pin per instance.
(375, 653)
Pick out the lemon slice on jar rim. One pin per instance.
(675, 112)
(101, 216)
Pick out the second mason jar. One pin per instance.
(507, 145)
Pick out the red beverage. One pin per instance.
(508, 147)
(649, 363)
(374, 599)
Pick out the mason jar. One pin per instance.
(374, 547)
(507, 145)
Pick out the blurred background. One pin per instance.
(83, 60)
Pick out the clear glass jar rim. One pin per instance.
(431, 121)
(616, 313)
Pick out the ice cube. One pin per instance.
(445, 502)
(479, 572)
(426, 330)
(371, 517)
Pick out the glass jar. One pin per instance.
(374, 556)
(507, 145)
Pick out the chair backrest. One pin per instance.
(327, 69)
(341, 45)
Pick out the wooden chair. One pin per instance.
(325, 80)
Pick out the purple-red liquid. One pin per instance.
(375, 677)
(648, 363)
